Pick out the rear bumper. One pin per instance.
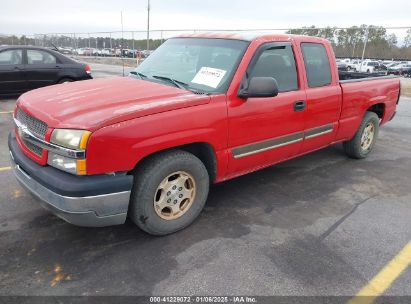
(89, 201)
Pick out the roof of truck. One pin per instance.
(250, 36)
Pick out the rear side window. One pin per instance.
(10, 57)
(40, 57)
(317, 64)
(279, 63)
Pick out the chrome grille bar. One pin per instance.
(27, 135)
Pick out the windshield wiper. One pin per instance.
(141, 75)
(177, 83)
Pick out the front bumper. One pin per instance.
(89, 201)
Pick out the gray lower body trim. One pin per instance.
(91, 211)
(318, 131)
(278, 142)
(267, 145)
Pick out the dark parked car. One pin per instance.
(342, 66)
(24, 68)
(400, 70)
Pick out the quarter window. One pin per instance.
(40, 57)
(317, 64)
(279, 63)
(11, 57)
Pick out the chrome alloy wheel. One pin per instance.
(175, 195)
(367, 136)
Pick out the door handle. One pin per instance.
(299, 105)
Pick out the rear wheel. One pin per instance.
(170, 190)
(65, 80)
(363, 141)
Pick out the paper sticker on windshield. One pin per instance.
(210, 77)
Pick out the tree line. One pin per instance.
(347, 42)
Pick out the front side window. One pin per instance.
(11, 57)
(316, 64)
(278, 62)
(201, 64)
(40, 57)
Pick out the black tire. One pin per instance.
(150, 173)
(65, 80)
(353, 147)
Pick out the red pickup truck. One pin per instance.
(201, 109)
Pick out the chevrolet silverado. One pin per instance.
(201, 109)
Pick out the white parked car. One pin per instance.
(345, 60)
(369, 66)
(354, 65)
(106, 52)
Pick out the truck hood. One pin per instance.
(92, 104)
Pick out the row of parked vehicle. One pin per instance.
(107, 52)
(389, 67)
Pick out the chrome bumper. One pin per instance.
(89, 211)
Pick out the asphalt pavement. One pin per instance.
(322, 224)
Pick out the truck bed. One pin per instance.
(358, 95)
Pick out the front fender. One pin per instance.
(120, 147)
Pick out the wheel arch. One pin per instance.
(65, 77)
(202, 150)
(378, 108)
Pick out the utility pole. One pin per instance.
(122, 40)
(148, 25)
(353, 50)
(134, 50)
(365, 43)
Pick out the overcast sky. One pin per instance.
(61, 16)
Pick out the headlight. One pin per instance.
(72, 139)
(70, 165)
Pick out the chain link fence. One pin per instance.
(374, 42)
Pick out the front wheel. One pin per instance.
(170, 190)
(363, 141)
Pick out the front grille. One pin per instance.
(33, 148)
(34, 125)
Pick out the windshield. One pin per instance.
(198, 64)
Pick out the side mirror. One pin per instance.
(260, 87)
